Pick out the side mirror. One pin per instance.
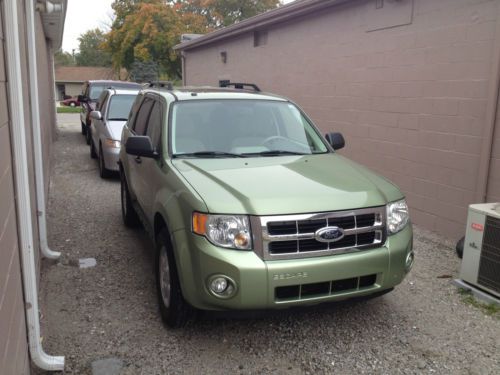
(82, 98)
(95, 115)
(140, 145)
(336, 140)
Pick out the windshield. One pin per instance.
(235, 128)
(119, 107)
(95, 92)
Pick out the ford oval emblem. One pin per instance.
(329, 234)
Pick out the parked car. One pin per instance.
(91, 91)
(71, 102)
(106, 127)
(251, 208)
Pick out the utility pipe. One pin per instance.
(37, 136)
(20, 164)
(491, 118)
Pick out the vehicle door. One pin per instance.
(84, 105)
(149, 171)
(98, 126)
(134, 162)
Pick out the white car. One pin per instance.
(107, 122)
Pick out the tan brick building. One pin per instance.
(28, 38)
(412, 85)
(70, 79)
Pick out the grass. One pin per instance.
(68, 109)
(488, 308)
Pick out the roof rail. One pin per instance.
(238, 85)
(160, 84)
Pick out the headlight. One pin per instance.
(397, 216)
(230, 231)
(112, 143)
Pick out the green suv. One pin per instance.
(250, 208)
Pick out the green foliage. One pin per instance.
(68, 109)
(489, 309)
(219, 13)
(147, 31)
(92, 51)
(62, 58)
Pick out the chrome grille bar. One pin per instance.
(266, 243)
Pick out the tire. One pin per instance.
(93, 154)
(460, 247)
(84, 131)
(103, 171)
(174, 310)
(88, 135)
(129, 215)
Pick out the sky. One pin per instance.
(84, 15)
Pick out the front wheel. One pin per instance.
(103, 171)
(88, 135)
(129, 215)
(174, 310)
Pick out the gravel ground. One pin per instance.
(110, 311)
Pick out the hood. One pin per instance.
(285, 184)
(115, 129)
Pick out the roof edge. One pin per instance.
(281, 14)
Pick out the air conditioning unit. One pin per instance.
(481, 258)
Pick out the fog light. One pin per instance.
(221, 286)
(410, 258)
(218, 285)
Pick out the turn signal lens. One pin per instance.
(199, 223)
(112, 143)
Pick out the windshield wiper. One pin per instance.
(213, 154)
(117, 119)
(276, 153)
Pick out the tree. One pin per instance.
(62, 58)
(220, 13)
(147, 31)
(92, 51)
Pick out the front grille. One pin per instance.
(327, 288)
(489, 262)
(294, 236)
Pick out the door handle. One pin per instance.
(138, 160)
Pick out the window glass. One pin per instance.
(101, 101)
(95, 91)
(155, 125)
(242, 127)
(119, 107)
(142, 116)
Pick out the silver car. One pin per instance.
(107, 122)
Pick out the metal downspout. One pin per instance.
(37, 136)
(20, 164)
(491, 119)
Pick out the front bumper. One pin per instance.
(260, 283)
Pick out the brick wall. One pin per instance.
(13, 346)
(406, 84)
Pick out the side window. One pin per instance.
(101, 101)
(141, 119)
(154, 125)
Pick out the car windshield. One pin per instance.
(95, 91)
(119, 107)
(235, 128)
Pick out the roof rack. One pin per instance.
(238, 85)
(160, 84)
